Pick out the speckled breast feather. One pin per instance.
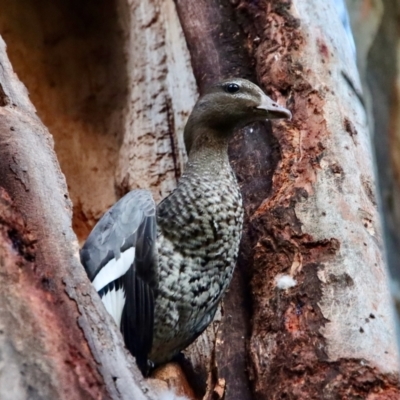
(199, 230)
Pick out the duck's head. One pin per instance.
(227, 106)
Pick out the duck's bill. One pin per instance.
(273, 109)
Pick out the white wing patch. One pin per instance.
(114, 269)
(114, 301)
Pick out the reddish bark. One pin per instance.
(32, 331)
(288, 350)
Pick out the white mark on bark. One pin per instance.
(284, 282)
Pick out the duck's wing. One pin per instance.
(120, 258)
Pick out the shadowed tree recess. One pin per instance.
(307, 314)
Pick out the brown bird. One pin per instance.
(161, 271)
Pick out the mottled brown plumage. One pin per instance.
(199, 225)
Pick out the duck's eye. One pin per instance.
(232, 87)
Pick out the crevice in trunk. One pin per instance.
(70, 56)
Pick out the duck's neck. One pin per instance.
(208, 155)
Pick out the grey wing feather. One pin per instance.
(131, 222)
(119, 229)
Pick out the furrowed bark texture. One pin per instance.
(57, 340)
(161, 94)
(331, 335)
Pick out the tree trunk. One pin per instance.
(308, 314)
(57, 341)
(375, 27)
(318, 221)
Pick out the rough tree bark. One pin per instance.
(318, 222)
(307, 185)
(375, 27)
(57, 341)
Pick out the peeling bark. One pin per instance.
(318, 223)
